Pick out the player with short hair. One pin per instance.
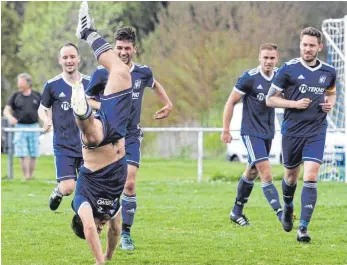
(142, 77)
(308, 88)
(102, 177)
(257, 131)
(66, 141)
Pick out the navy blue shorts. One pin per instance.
(298, 149)
(67, 167)
(133, 141)
(114, 113)
(101, 189)
(258, 149)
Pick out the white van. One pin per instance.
(236, 150)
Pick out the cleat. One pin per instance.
(55, 199)
(78, 99)
(85, 23)
(241, 220)
(302, 235)
(287, 218)
(126, 243)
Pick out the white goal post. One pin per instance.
(334, 166)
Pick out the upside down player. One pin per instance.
(102, 177)
(142, 77)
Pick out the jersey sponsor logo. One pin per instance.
(35, 101)
(62, 95)
(103, 201)
(301, 77)
(135, 95)
(317, 90)
(65, 105)
(260, 87)
(261, 96)
(137, 84)
(322, 79)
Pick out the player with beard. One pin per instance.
(308, 88)
(141, 75)
(66, 142)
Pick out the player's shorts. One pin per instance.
(133, 141)
(26, 143)
(114, 114)
(101, 189)
(258, 149)
(298, 149)
(67, 167)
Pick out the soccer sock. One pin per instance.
(244, 190)
(308, 202)
(271, 195)
(128, 212)
(98, 44)
(84, 116)
(288, 193)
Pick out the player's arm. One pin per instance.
(8, 115)
(330, 95)
(45, 110)
(234, 97)
(274, 99)
(45, 116)
(160, 92)
(90, 232)
(113, 233)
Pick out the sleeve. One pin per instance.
(47, 98)
(243, 84)
(332, 85)
(280, 81)
(150, 78)
(10, 101)
(97, 83)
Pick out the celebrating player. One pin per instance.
(257, 131)
(66, 141)
(308, 85)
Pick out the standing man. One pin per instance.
(102, 177)
(308, 85)
(21, 112)
(66, 141)
(257, 131)
(141, 75)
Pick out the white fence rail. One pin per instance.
(198, 130)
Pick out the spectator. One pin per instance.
(21, 112)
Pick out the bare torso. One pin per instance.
(100, 157)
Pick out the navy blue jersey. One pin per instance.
(57, 94)
(141, 76)
(257, 118)
(297, 80)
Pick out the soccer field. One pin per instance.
(178, 221)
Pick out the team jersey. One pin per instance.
(257, 118)
(57, 94)
(297, 80)
(141, 76)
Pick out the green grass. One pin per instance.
(178, 221)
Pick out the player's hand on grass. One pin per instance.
(163, 112)
(226, 137)
(302, 103)
(326, 107)
(47, 125)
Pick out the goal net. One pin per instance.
(334, 160)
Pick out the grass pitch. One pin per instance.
(178, 221)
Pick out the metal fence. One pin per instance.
(200, 143)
